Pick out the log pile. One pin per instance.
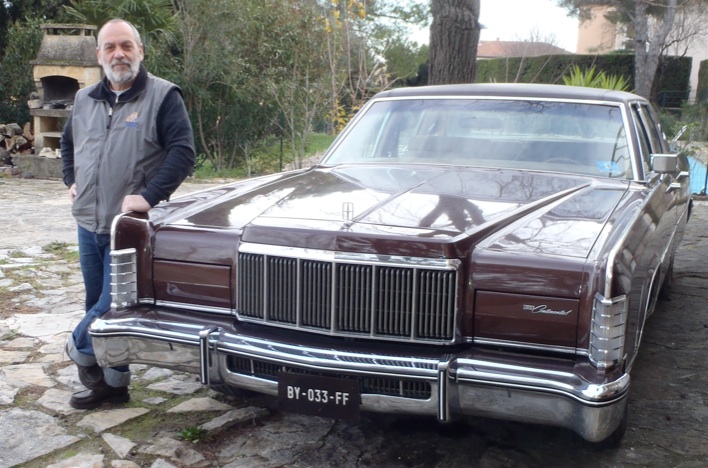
(14, 140)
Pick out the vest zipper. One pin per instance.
(100, 158)
(110, 116)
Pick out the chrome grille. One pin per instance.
(408, 303)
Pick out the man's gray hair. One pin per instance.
(119, 20)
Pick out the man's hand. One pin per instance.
(135, 203)
(72, 193)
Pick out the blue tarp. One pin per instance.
(698, 176)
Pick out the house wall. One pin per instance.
(597, 35)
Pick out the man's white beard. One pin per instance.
(123, 77)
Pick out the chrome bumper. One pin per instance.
(462, 384)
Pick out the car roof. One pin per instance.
(517, 90)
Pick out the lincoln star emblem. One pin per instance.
(544, 309)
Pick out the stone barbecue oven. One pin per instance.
(65, 63)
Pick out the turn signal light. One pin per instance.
(607, 331)
(124, 289)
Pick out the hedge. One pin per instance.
(671, 87)
(702, 91)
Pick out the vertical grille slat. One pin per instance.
(436, 298)
(250, 285)
(354, 293)
(316, 294)
(282, 289)
(349, 299)
(395, 301)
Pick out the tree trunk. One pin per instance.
(454, 34)
(648, 49)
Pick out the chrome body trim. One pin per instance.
(619, 244)
(523, 345)
(349, 257)
(114, 225)
(638, 173)
(461, 383)
(195, 307)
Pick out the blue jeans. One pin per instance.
(95, 260)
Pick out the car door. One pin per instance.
(681, 180)
(661, 211)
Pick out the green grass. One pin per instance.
(319, 142)
(265, 159)
(10, 334)
(63, 251)
(194, 434)
(206, 171)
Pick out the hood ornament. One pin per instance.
(347, 211)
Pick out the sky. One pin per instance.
(509, 20)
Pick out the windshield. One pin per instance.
(579, 138)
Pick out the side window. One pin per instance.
(642, 137)
(652, 126)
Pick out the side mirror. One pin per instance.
(663, 163)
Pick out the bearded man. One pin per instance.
(127, 145)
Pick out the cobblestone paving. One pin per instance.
(173, 421)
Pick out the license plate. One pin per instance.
(329, 397)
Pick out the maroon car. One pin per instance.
(464, 250)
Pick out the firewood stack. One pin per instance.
(15, 140)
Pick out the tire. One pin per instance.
(665, 291)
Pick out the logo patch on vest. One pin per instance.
(132, 120)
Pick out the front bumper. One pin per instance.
(462, 382)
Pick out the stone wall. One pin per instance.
(37, 167)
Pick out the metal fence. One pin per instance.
(672, 99)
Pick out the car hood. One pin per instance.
(421, 211)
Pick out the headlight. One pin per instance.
(124, 289)
(609, 318)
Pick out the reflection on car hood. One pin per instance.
(406, 210)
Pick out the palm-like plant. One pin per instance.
(153, 18)
(591, 78)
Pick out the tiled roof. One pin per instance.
(498, 49)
